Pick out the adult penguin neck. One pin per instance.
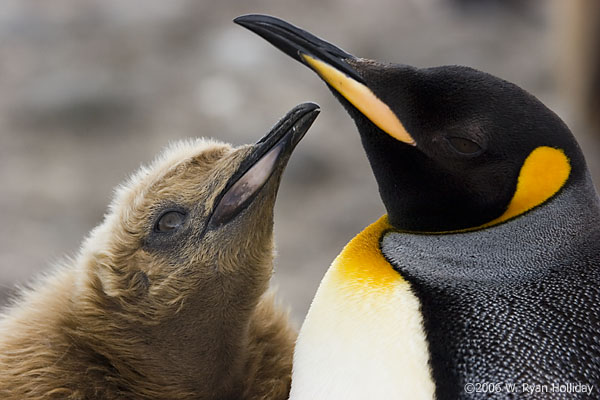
(502, 254)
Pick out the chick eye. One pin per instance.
(464, 146)
(169, 221)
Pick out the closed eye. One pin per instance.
(464, 146)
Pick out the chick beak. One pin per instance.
(267, 155)
(330, 63)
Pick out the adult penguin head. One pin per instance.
(452, 148)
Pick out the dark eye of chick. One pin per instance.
(169, 221)
(464, 146)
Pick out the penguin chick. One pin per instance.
(485, 271)
(166, 298)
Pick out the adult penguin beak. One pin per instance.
(331, 64)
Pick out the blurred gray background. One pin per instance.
(90, 89)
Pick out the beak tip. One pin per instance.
(310, 106)
(249, 20)
(242, 19)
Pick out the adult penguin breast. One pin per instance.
(360, 295)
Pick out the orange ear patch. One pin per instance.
(543, 173)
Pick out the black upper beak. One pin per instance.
(268, 154)
(294, 42)
(340, 70)
(289, 129)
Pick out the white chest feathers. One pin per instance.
(363, 336)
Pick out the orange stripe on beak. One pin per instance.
(361, 97)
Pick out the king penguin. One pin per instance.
(167, 298)
(483, 279)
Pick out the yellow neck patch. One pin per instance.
(363, 336)
(543, 173)
(362, 98)
(361, 263)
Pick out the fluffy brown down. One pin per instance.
(137, 315)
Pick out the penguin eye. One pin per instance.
(464, 146)
(169, 221)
